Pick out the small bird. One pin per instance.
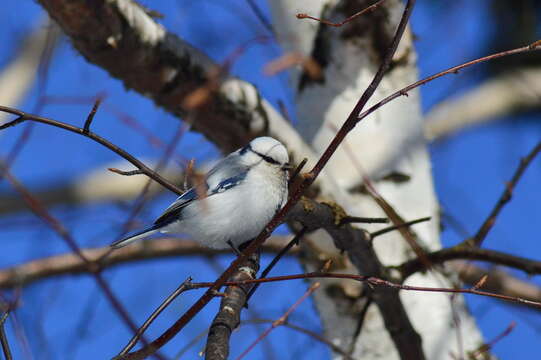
(234, 202)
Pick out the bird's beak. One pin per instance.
(288, 167)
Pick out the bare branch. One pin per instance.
(310, 333)
(459, 252)
(282, 253)
(505, 197)
(395, 227)
(41, 212)
(70, 264)
(348, 19)
(377, 282)
(281, 320)
(90, 117)
(186, 285)
(163, 67)
(498, 281)
(126, 173)
(486, 347)
(453, 70)
(228, 317)
(364, 220)
(3, 337)
(22, 116)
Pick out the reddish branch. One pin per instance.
(93, 268)
(308, 332)
(452, 70)
(343, 22)
(377, 282)
(280, 321)
(22, 116)
(498, 281)
(186, 285)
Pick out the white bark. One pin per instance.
(389, 141)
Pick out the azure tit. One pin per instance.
(235, 201)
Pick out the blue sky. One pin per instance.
(68, 318)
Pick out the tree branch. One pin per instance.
(459, 252)
(499, 282)
(228, 317)
(70, 264)
(505, 197)
(120, 37)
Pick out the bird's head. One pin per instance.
(267, 149)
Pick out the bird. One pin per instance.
(235, 200)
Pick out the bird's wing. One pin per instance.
(211, 186)
(171, 213)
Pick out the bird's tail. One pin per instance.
(137, 236)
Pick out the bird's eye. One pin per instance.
(269, 159)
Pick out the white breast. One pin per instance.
(238, 214)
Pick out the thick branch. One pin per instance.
(70, 264)
(120, 37)
(459, 252)
(228, 317)
(356, 243)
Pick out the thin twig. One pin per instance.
(305, 331)
(126, 173)
(260, 16)
(373, 281)
(92, 267)
(453, 70)
(468, 249)
(281, 320)
(297, 170)
(505, 197)
(3, 337)
(22, 116)
(486, 347)
(363, 220)
(90, 117)
(395, 227)
(282, 253)
(186, 285)
(352, 17)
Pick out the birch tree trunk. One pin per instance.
(389, 149)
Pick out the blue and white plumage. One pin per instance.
(236, 200)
